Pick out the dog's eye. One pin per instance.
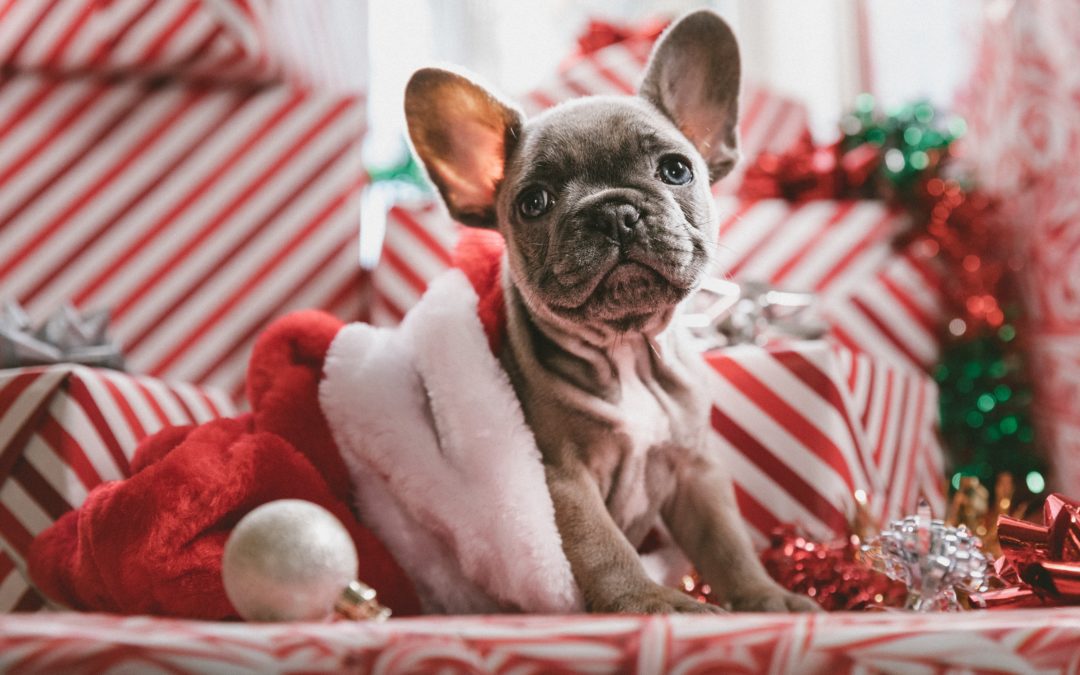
(535, 203)
(675, 170)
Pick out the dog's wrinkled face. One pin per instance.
(604, 202)
(607, 210)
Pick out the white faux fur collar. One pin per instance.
(446, 471)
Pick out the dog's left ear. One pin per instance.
(693, 78)
(463, 133)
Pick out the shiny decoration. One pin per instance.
(1040, 564)
(66, 336)
(291, 560)
(932, 559)
(833, 574)
(724, 313)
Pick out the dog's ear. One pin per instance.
(463, 134)
(693, 78)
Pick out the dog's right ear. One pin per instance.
(463, 134)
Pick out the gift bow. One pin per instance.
(808, 172)
(1040, 564)
(599, 34)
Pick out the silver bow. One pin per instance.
(724, 313)
(66, 336)
(933, 559)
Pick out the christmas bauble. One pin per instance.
(288, 560)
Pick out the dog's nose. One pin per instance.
(620, 221)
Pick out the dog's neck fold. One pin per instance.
(593, 360)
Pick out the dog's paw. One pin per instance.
(774, 599)
(658, 600)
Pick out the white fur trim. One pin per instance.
(447, 473)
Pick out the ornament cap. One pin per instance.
(358, 602)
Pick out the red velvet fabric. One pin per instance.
(479, 255)
(152, 544)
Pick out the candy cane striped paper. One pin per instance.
(196, 213)
(876, 300)
(201, 38)
(65, 429)
(804, 425)
(1001, 642)
(417, 248)
(768, 122)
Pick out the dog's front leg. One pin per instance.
(605, 565)
(705, 521)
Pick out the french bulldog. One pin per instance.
(609, 221)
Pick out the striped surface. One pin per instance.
(201, 38)
(876, 300)
(767, 121)
(196, 213)
(804, 425)
(65, 429)
(1000, 642)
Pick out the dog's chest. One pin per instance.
(643, 452)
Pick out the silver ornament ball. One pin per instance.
(287, 560)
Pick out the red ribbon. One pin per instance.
(599, 34)
(1040, 564)
(807, 171)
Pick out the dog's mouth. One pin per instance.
(627, 296)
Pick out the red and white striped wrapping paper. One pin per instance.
(63, 430)
(876, 299)
(804, 425)
(218, 39)
(1001, 642)
(768, 122)
(196, 213)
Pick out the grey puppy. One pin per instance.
(606, 209)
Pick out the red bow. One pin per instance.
(599, 34)
(809, 172)
(1040, 564)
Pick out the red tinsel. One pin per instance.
(830, 573)
(808, 172)
(1040, 564)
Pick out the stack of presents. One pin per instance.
(181, 165)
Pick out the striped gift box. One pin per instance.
(876, 299)
(804, 425)
(199, 203)
(63, 430)
(195, 213)
(237, 41)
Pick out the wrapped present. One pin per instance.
(876, 299)
(1024, 146)
(63, 430)
(230, 40)
(806, 425)
(195, 210)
